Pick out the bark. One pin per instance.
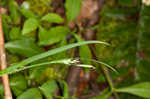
(3, 60)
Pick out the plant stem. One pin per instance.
(3, 60)
(109, 80)
(138, 46)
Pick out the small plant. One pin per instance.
(57, 49)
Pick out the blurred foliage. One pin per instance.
(33, 27)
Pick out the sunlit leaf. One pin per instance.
(30, 25)
(65, 89)
(54, 35)
(13, 8)
(25, 47)
(32, 93)
(27, 13)
(84, 51)
(52, 18)
(141, 89)
(72, 9)
(20, 66)
(48, 88)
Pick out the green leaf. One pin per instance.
(57, 50)
(37, 73)
(15, 68)
(141, 89)
(30, 25)
(27, 13)
(1, 91)
(20, 66)
(25, 47)
(48, 88)
(53, 18)
(14, 33)
(13, 8)
(52, 36)
(84, 51)
(18, 84)
(32, 93)
(64, 88)
(6, 20)
(72, 9)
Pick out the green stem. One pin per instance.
(109, 80)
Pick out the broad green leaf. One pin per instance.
(48, 88)
(6, 17)
(25, 47)
(64, 88)
(54, 35)
(84, 51)
(13, 8)
(72, 9)
(30, 25)
(37, 73)
(53, 18)
(27, 13)
(15, 33)
(141, 89)
(32, 93)
(61, 55)
(18, 84)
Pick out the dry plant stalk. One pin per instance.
(3, 60)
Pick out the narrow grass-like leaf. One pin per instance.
(16, 68)
(20, 66)
(57, 50)
(99, 62)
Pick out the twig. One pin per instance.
(109, 80)
(5, 78)
(107, 77)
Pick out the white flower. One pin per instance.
(25, 5)
(146, 2)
